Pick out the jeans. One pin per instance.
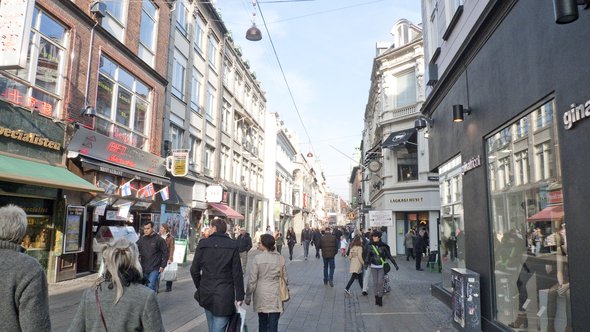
(329, 263)
(244, 260)
(152, 278)
(291, 250)
(378, 281)
(268, 321)
(305, 248)
(216, 323)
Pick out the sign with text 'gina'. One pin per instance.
(378, 218)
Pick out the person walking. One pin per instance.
(419, 250)
(153, 255)
(24, 302)
(257, 236)
(305, 240)
(216, 271)
(315, 241)
(366, 238)
(377, 253)
(291, 241)
(355, 255)
(165, 233)
(263, 284)
(329, 247)
(244, 245)
(112, 303)
(279, 240)
(409, 243)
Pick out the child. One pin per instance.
(343, 245)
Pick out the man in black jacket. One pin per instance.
(153, 254)
(217, 274)
(329, 246)
(419, 249)
(244, 245)
(315, 241)
(306, 237)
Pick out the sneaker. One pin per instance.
(331, 283)
(365, 293)
(347, 291)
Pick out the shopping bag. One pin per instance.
(169, 273)
(242, 313)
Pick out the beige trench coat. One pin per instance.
(356, 259)
(263, 282)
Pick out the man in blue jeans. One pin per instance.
(153, 254)
(329, 246)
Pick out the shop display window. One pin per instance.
(37, 239)
(529, 242)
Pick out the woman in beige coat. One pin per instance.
(263, 284)
(356, 263)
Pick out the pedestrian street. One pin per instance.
(313, 306)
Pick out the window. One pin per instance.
(176, 137)
(208, 160)
(181, 18)
(407, 165)
(39, 85)
(122, 104)
(210, 107)
(405, 92)
(178, 70)
(528, 229)
(147, 32)
(199, 33)
(225, 163)
(196, 87)
(212, 51)
(194, 154)
(226, 116)
(116, 15)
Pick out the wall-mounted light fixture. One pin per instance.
(88, 111)
(566, 11)
(424, 122)
(458, 111)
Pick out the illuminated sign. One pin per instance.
(16, 97)
(30, 138)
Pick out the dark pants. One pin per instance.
(357, 276)
(329, 265)
(268, 321)
(418, 260)
(291, 250)
(279, 248)
(317, 251)
(410, 253)
(168, 286)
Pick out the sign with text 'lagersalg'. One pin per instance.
(177, 164)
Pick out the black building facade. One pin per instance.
(512, 173)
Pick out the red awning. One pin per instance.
(226, 210)
(547, 214)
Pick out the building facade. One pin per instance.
(509, 106)
(395, 160)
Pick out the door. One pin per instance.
(400, 231)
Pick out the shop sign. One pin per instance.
(575, 114)
(15, 31)
(30, 138)
(474, 162)
(214, 194)
(407, 200)
(554, 197)
(380, 218)
(75, 229)
(98, 146)
(177, 163)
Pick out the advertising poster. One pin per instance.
(177, 219)
(74, 229)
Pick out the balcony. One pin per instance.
(392, 115)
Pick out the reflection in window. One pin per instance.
(407, 165)
(529, 239)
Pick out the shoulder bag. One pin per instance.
(283, 288)
(386, 266)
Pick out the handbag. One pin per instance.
(283, 288)
(235, 323)
(169, 273)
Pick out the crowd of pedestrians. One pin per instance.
(218, 270)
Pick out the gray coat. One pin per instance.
(137, 310)
(263, 282)
(24, 304)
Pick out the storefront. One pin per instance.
(511, 174)
(33, 176)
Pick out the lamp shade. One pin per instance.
(566, 11)
(420, 124)
(253, 34)
(458, 113)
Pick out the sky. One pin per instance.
(326, 50)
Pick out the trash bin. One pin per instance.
(465, 299)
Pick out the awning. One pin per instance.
(30, 172)
(226, 210)
(400, 139)
(547, 214)
(94, 164)
(373, 154)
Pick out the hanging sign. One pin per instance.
(177, 163)
(15, 31)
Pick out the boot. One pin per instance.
(521, 321)
(376, 300)
(379, 300)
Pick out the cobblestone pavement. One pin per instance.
(313, 305)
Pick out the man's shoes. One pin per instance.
(168, 289)
(379, 300)
(325, 282)
(408, 259)
(290, 258)
(305, 258)
(331, 283)
(419, 269)
(347, 291)
(365, 293)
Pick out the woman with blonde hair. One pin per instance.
(356, 263)
(119, 301)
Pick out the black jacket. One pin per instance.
(329, 246)
(244, 242)
(371, 256)
(420, 244)
(306, 234)
(217, 274)
(153, 252)
(316, 238)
